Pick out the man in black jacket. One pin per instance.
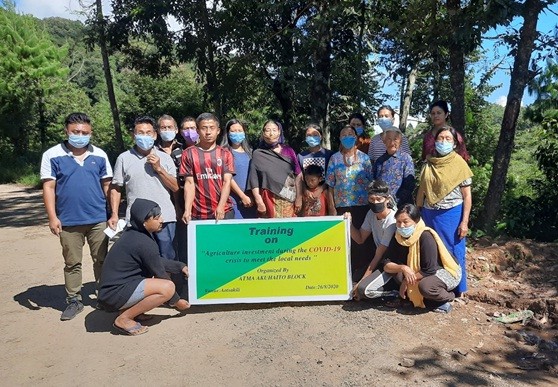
(135, 277)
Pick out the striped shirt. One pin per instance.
(208, 169)
(378, 148)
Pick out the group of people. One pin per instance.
(175, 174)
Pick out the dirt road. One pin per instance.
(348, 343)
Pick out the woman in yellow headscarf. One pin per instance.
(444, 196)
(421, 263)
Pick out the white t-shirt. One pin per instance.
(382, 229)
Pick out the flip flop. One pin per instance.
(136, 330)
(461, 300)
(143, 317)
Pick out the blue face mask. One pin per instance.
(385, 123)
(237, 137)
(359, 130)
(167, 135)
(443, 148)
(348, 142)
(144, 142)
(78, 141)
(313, 140)
(406, 232)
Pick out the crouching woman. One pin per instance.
(419, 261)
(135, 277)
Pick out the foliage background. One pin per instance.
(254, 61)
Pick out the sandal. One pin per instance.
(143, 317)
(136, 330)
(461, 300)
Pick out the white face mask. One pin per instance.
(167, 135)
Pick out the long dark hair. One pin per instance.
(225, 142)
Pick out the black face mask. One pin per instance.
(377, 207)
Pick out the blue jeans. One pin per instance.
(165, 240)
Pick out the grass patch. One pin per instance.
(20, 169)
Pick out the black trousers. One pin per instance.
(361, 254)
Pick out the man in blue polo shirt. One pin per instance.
(76, 177)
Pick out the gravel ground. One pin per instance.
(287, 344)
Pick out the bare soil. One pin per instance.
(342, 343)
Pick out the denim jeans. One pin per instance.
(165, 240)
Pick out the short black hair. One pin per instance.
(145, 120)
(378, 187)
(411, 210)
(313, 170)
(77, 118)
(207, 117)
(155, 212)
(186, 119)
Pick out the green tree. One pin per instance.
(30, 70)
(521, 75)
(545, 112)
(177, 94)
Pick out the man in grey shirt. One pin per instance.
(146, 173)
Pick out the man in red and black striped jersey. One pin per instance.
(208, 170)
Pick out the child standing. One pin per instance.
(315, 198)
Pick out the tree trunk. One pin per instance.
(283, 82)
(520, 76)
(21, 142)
(282, 88)
(211, 76)
(359, 58)
(436, 75)
(42, 119)
(457, 67)
(320, 92)
(108, 77)
(407, 98)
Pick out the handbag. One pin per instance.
(288, 192)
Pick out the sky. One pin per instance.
(70, 9)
